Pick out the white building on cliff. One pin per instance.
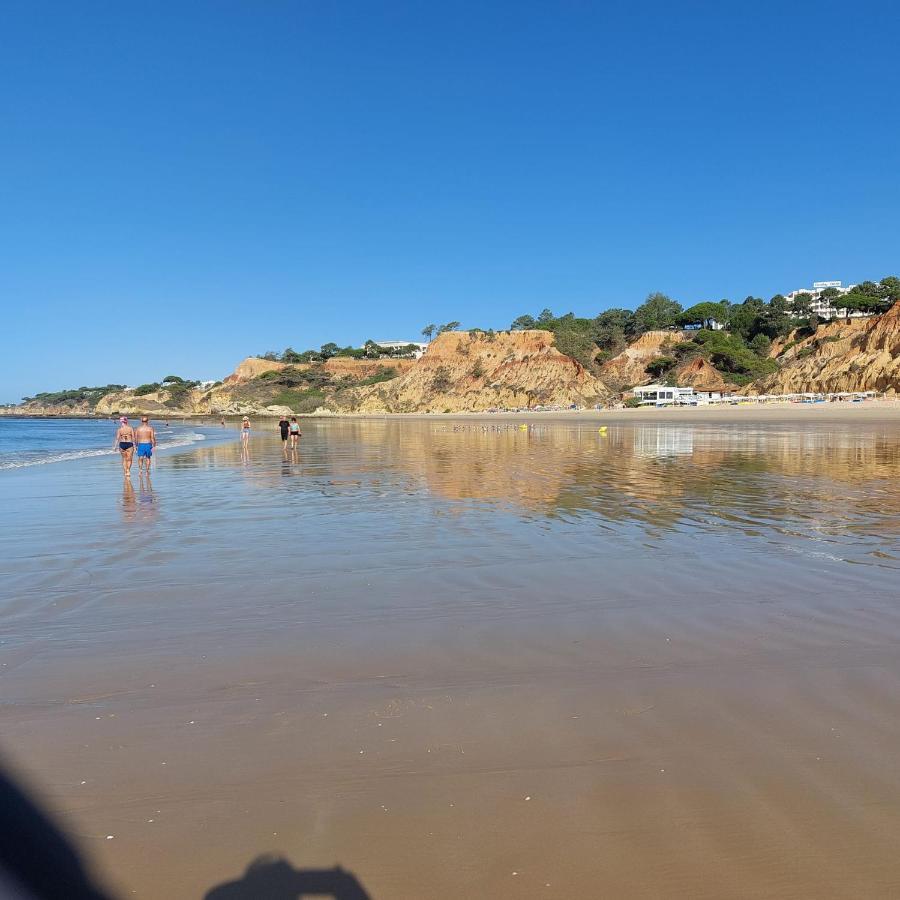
(824, 307)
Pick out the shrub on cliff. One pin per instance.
(660, 366)
(577, 344)
(441, 381)
(300, 401)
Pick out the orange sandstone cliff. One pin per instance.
(628, 368)
(472, 371)
(859, 355)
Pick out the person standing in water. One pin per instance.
(125, 441)
(295, 432)
(284, 427)
(146, 443)
(245, 430)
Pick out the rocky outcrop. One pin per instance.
(860, 355)
(472, 371)
(628, 368)
(253, 367)
(129, 404)
(364, 368)
(702, 375)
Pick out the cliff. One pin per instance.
(701, 375)
(860, 355)
(629, 367)
(253, 367)
(472, 371)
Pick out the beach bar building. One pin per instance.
(664, 395)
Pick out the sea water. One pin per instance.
(38, 441)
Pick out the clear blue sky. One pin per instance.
(182, 184)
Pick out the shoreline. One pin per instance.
(870, 410)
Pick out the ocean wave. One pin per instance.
(184, 440)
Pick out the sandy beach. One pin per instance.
(463, 658)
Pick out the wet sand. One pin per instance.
(466, 659)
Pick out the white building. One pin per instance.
(822, 306)
(663, 395)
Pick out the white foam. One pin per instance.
(183, 441)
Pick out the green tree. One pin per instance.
(545, 318)
(656, 312)
(775, 320)
(290, 355)
(522, 323)
(761, 345)
(428, 331)
(576, 344)
(660, 366)
(611, 327)
(328, 350)
(867, 289)
(864, 303)
(170, 379)
(890, 288)
(801, 306)
(703, 314)
(745, 319)
(449, 326)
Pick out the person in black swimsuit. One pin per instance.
(285, 427)
(125, 440)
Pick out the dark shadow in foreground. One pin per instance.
(37, 862)
(36, 858)
(270, 878)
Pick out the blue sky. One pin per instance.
(183, 184)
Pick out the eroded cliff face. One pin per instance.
(629, 368)
(702, 375)
(860, 355)
(474, 371)
(252, 367)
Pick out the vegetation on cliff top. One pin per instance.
(73, 396)
(735, 338)
(369, 350)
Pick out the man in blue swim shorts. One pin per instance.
(146, 441)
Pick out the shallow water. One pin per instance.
(678, 641)
(28, 441)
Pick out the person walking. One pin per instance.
(125, 441)
(295, 432)
(145, 435)
(284, 427)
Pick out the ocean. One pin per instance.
(36, 442)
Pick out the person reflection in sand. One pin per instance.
(146, 498)
(129, 500)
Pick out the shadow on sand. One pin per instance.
(38, 862)
(269, 878)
